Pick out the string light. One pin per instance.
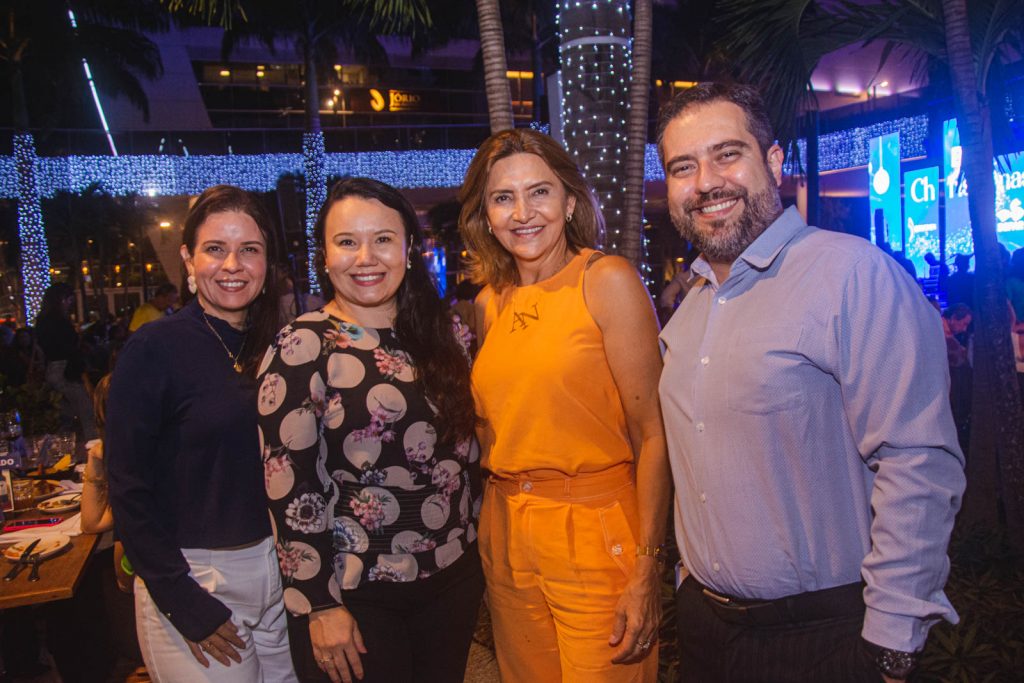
(26, 177)
(35, 257)
(314, 162)
(596, 54)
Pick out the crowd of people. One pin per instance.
(529, 443)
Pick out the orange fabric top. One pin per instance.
(542, 383)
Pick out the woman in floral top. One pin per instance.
(366, 421)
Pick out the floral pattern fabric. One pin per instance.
(359, 487)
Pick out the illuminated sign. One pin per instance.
(921, 213)
(883, 179)
(958, 217)
(402, 100)
(1009, 177)
(376, 100)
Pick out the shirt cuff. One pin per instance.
(189, 607)
(894, 631)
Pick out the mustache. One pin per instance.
(713, 197)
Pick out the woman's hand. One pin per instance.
(337, 644)
(638, 614)
(224, 645)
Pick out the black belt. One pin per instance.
(830, 603)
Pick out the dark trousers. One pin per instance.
(712, 650)
(418, 631)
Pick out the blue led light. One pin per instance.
(26, 177)
(35, 257)
(313, 156)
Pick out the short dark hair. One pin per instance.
(957, 311)
(745, 97)
(165, 289)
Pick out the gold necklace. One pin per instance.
(234, 358)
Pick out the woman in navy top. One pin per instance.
(186, 485)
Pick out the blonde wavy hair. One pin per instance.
(489, 262)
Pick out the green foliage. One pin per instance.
(986, 585)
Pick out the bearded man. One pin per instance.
(805, 398)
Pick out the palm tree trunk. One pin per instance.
(35, 256)
(492, 47)
(313, 158)
(595, 44)
(636, 134)
(995, 463)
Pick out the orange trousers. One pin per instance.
(556, 555)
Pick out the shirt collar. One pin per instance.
(760, 254)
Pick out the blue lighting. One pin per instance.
(35, 257)
(313, 156)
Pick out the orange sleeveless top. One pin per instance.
(542, 383)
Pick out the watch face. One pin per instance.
(892, 663)
(896, 664)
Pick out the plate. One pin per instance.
(62, 503)
(50, 545)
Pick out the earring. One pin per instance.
(191, 282)
(327, 271)
(489, 228)
(408, 260)
(568, 217)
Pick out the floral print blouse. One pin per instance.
(359, 487)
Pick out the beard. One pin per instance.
(723, 240)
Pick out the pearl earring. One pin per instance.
(191, 282)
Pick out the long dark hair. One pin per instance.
(423, 322)
(263, 319)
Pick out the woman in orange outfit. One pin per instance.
(566, 385)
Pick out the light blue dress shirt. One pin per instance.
(806, 405)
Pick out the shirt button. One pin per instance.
(700, 426)
(721, 299)
(616, 549)
(716, 566)
(705, 360)
(703, 498)
(527, 486)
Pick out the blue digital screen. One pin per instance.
(958, 217)
(921, 213)
(1009, 177)
(884, 182)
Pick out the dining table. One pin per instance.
(59, 575)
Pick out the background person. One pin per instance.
(367, 419)
(65, 365)
(565, 382)
(805, 396)
(165, 297)
(183, 460)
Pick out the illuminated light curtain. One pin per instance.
(595, 48)
(313, 161)
(35, 256)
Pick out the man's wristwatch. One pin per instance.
(893, 663)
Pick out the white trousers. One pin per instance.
(248, 582)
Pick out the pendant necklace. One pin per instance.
(235, 363)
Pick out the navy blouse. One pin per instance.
(183, 459)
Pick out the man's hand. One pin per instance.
(337, 644)
(223, 645)
(638, 614)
